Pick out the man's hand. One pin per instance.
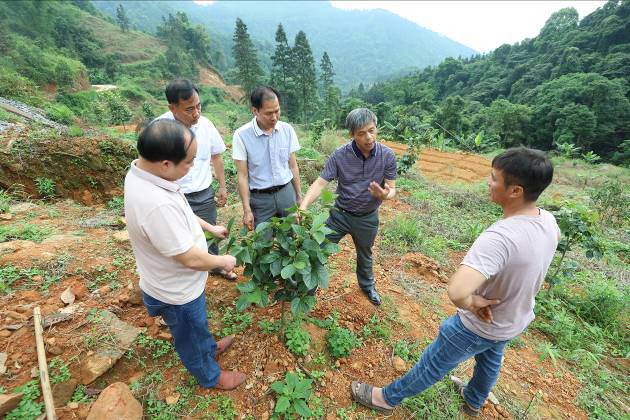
(218, 231)
(377, 191)
(480, 306)
(298, 200)
(221, 197)
(229, 262)
(248, 219)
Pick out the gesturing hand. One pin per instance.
(480, 306)
(377, 191)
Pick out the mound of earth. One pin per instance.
(88, 169)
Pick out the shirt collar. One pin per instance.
(258, 131)
(358, 152)
(153, 179)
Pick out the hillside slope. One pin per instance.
(362, 45)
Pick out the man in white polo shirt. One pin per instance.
(184, 106)
(170, 249)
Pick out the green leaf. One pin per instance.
(246, 287)
(310, 245)
(331, 248)
(309, 280)
(269, 258)
(327, 196)
(262, 227)
(282, 404)
(277, 387)
(246, 256)
(244, 231)
(318, 221)
(322, 276)
(302, 409)
(299, 265)
(276, 267)
(299, 230)
(295, 303)
(319, 236)
(287, 271)
(242, 303)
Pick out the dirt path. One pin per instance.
(446, 166)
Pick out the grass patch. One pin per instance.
(25, 232)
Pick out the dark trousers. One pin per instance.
(363, 230)
(194, 344)
(265, 206)
(202, 204)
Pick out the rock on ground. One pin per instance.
(8, 402)
(116, 402)
(62, 392)
(106, 356)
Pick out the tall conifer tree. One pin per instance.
(330, 93)
(122, 19)
(282, 77)
(305, 77)
(245, 54)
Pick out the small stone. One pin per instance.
(34, 372)
(6, 216)
(371, 374)
(328, 375)
(264, 416)
(399, 364)
(172, 399)
(62, 392)
(5, 333)
(215, 283)
(285, 363)
(337, 364)
(31, 295)
(249, 385)
(356, 366)
(258, 374)
(55, 350)
(104, 290)
(272, 404)
(68, 296)
(308, 358)
(121, 236)
(73, 405)
(116, 402)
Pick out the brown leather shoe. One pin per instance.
(230, 379)
(223, 344)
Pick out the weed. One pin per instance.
(117, 204)
(439, 401)
(45, 187)
(58, 371)
(269, 327)
(155, 346)
(298, 340)
(292, 396)
(612, 201)
(408, 351)
(341, 342)
(28, 408)
(9, 275)
(81, 396)
(75, 131)
(5, 201)
(25, 232)
(548, 349)
(234, 322)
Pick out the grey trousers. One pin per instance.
(266, 206)
(202, 204)
(363, 230)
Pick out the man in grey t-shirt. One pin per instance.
(494, 288)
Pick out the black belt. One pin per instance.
(269, 190)
(355, 214)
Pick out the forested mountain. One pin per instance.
(567, 86)
(362, 45)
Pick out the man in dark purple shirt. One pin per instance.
(365, 171)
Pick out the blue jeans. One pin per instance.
(195, 345)
(454, 345)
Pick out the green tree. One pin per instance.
(249, 71)
(282, 72)
(509, 122)
(122, 19)
(330, 93)
(179, 33)
(305, 77)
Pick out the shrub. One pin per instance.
(612, 200)
(60, 113)
(13, 85)
(292, 396)
(298, 340)
(75, 131)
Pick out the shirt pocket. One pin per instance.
(283, 155)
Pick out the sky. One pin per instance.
(480, 25)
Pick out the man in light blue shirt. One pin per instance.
(264, 155)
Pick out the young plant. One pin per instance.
(292, 396)
(285, 257)
(298, 340)
(341, 342)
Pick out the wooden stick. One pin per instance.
(43, 366)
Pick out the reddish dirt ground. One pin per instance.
(446, 166)
(414, 283)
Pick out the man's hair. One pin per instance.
(261, 94)
(529, 168)
(358, 118)
(165, 140)
(179, 89)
